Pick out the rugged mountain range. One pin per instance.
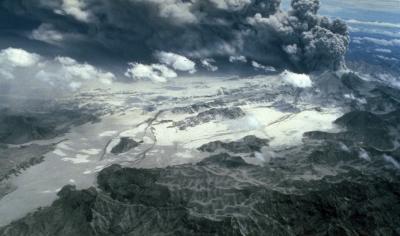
(341, 180)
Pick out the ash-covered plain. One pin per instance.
(259, 156)
(233, 118)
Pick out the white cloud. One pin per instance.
(231, 4)
(234, 59)
(74, 85)
(47, 33)
(258, 66)
(391, 160)
(389, 79)
(370, 5)
(374, 23)
(382, 42)
(356, 41)
(208, 64)
(390, 33)
(393, 59)
(66, 61)
(12, 59)
(155, 72)
(74, 8)
(32, 69)
(5, 74)
(383, 50)
(74, 71)
(16, 57)
(364, 155)
(352, 97)
(176, 61)
(297, 80)
(82, 71)
(291, 49)
(177, 10)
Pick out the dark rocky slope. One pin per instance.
(363, 128)
(210, 115)
(125, 144)
(245, 200)
(248, 144)
(22, 127)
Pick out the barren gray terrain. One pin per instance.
(243, 161)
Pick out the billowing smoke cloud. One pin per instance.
(136, 30)
(310, 42)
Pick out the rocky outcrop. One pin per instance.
(248, 144)
(194, 108)
(125, 144)
(70, 215)
(363, 128)
(210, 115)
(15, 159)
(361, 121)
(223, 160)
(15, 129)
(23, 127)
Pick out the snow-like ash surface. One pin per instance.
(213, 150)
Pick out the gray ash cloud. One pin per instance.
(299, 39)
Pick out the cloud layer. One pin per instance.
(29, 73)
(136, 30)
(154, 72)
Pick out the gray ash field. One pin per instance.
(256, 121)
(263, 158)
